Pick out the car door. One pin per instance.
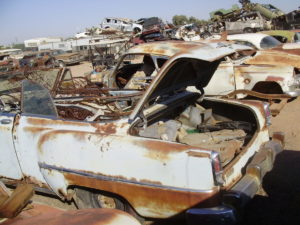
(9, 163)
(36, 103)
(223, 80)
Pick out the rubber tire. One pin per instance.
(88, 199)
(136, 30)
(248, 30)
(61, 64)
(85, 198)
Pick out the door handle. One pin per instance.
(5, 121)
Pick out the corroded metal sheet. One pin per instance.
(247, 76)
(272, 57)
(46, 215)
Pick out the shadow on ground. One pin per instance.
(282, 185)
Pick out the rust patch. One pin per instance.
(80, 135)
(17, 120)
(272, 78)
(35, 130)
(150, 182)
(154, 50)
(160, 150)
(108, 128)
(46, 215)
(160, 201)
(275, 58)
(199, 154)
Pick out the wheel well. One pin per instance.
(248, 30)
(96, 191)
(137, 29)
(127, 207)
(267, 87)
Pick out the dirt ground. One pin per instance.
(281, 203)
(81, 69)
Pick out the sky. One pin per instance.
(26, 19)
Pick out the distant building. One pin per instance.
(82, 44)
(36, 42)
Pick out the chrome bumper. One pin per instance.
(235, 199)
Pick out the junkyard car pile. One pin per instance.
(270, 75)
(159, 150)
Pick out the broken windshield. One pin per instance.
(36, 100)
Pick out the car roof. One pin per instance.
(164, 48)
(171, 48)
(254, 38)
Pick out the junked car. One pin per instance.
(243, 74)
(265, 42)
(51, 58)
(174, 153)
(122, 24)
(256, 40)
(63, 58)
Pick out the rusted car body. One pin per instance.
(12, 204)
(268, 75)
(50, 58)
(172, 153)
(63, 59)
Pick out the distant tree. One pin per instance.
(19, 46)
(193, 19)
(180, 20)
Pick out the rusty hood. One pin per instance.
(190, 67)
(275, 57)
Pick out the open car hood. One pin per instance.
(192, 67)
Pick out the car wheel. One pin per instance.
(61, 64)
(248, 30)
(92, 199)
(205, 35)
(86, 198)
(136, 30)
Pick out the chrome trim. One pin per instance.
(293, 93)
(107, 178)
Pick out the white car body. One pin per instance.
(120, 24)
